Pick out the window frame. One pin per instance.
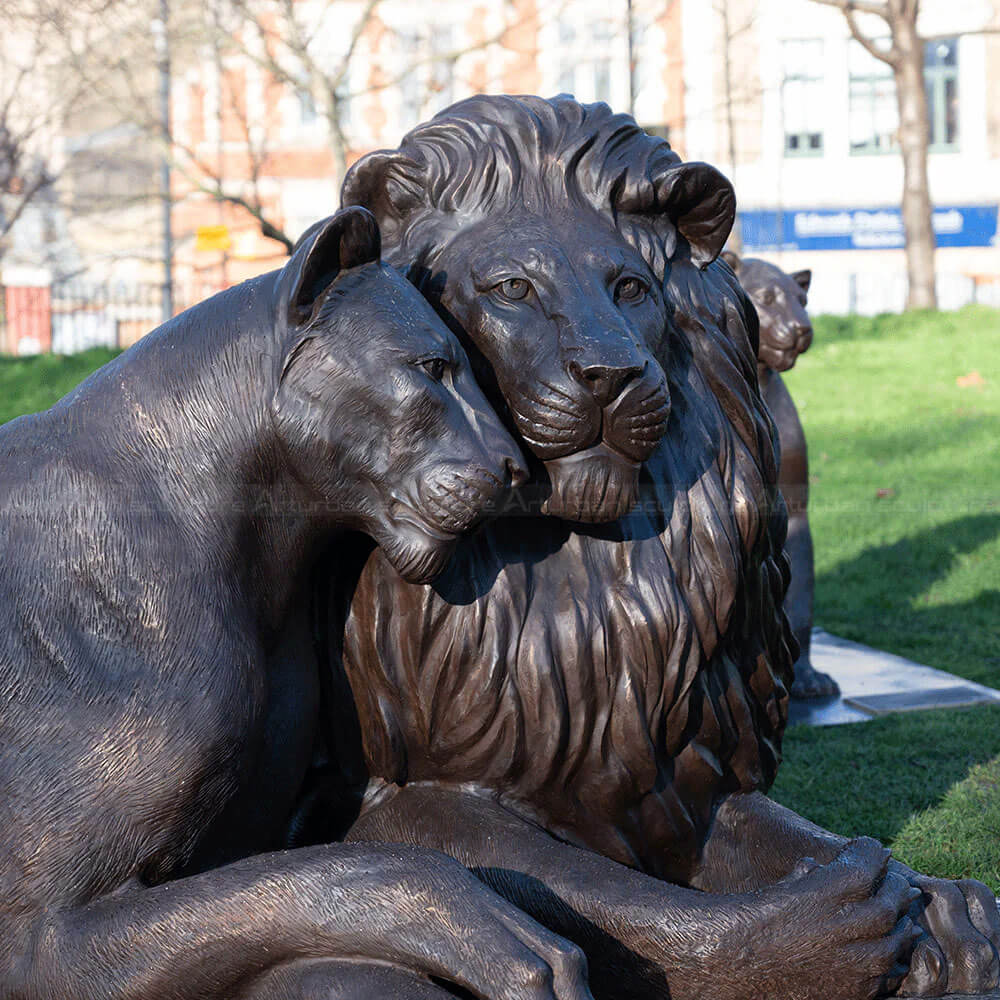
(936, 79)
(818, 78)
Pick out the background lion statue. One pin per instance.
(785, 333)
(587, 707)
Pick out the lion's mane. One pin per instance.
(611, 681)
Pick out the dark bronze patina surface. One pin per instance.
(159, 708)
(586, 707)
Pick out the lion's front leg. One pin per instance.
(837, 931)
(755, 842)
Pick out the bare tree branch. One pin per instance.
(851, 8)
(906, 57)
(860, 6)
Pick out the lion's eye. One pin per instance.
(435, 367)
(767, 298)
(630, 290)
(513, 288)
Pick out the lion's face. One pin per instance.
(542, 231)
(780, 301)
(567, 318)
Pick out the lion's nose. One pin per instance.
(605, 382)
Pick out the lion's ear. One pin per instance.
(732, 259)
(387, 183)
(701, 203)
(345, 240)
(803, 279)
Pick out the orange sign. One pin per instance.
(209, 238)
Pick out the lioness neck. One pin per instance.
(189, 409)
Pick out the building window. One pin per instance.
(802, 96)
(424, 65)
(874, 113)
(941, 83)
(871, 105)
(307, 106)
(441, 82)
(584, 59)
(410, 96)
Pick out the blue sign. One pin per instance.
(862, 228)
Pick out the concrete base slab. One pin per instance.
(873, 682)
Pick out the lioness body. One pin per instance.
(159, 700)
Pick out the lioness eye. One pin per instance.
(514, 288)
(768, 297)
(435, 367)
(630, 290)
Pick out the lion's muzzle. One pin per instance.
(600, 482)
(593, 433)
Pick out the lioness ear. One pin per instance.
(803, 279)
(732, 260)
(701, 203)
(388, 184)
(345, 240)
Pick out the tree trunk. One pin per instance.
(914, 137)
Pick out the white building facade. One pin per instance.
(813, 153)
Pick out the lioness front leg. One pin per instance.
(323, 979)
(209, 937)
(837, 931)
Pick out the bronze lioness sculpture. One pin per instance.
(587, 708)
(156, 526)
(785, 333)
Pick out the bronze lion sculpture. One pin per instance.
(156, 527)
(587, 707)
(785, 333)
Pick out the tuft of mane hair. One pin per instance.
(487, 154)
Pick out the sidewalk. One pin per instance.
(874, 683)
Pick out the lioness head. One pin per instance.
(376, 405)
(780, 300)
(546, 253)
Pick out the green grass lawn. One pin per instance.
(905, 512)
(28, 385)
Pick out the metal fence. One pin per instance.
(868, 293)
(67, 317)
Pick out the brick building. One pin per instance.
(409, 62)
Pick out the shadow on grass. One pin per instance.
(958, 838)
(940, 430)
(883, 597)
(871, 778)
